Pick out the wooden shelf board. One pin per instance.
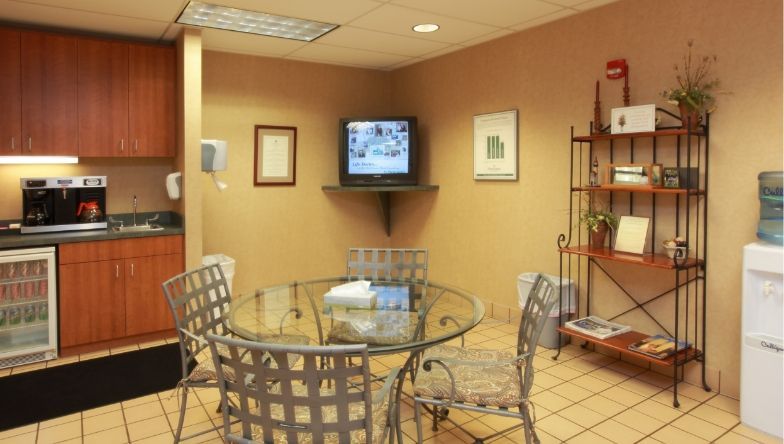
(648, 260)
(640, 189)
(667, 132)
(621, 344)
(381, 188)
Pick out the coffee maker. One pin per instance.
(53, 204)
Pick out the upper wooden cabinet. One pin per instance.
(103, 98)
(151, 95)
(48, 79)
(10, 93)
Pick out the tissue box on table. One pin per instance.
(352, 294)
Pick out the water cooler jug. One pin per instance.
(762, 343)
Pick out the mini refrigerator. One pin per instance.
(762, 348)
(28, 306)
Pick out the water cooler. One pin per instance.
(762, 346)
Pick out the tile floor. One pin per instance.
(584, 397)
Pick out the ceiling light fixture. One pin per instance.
(37, 160)
(252, 22)
(426, 27)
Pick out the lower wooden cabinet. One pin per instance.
(112, 289)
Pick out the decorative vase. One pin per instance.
(690, 117)
(598, 236)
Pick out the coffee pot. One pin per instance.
(89, 212)
(37, 214)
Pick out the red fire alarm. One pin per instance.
(616, 69)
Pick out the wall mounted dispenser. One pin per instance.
(174, 185)
(214, 158)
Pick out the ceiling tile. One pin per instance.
(487, 37)
(162, 10)
(501, 13)
(408, 62)
(345, 56)
(27, 13)
(330, 11)
(399, 20)
(593, 4)
(232, 41)
(350, 37)
(546, 19)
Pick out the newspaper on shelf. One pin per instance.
(597, 327)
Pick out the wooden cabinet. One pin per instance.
(103, 98)
(112, 289)
(126, 99)
(10, 93)
(48, 73)
(151, 96)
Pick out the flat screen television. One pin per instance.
(378, 151)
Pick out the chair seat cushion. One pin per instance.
(373, 327)
(205, 369)
(483, 381)
(329, 415)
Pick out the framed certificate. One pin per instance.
(495, 146)
(274, 159)
(633, 119)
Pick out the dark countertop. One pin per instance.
(13, 239)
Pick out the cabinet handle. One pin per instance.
(136, 145)
(131, 270)
(30, 144)
(122, 145)
(117, 271)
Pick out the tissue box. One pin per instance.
(367, 300)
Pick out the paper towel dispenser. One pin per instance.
(213, 155)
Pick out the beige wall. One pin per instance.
(482, 234)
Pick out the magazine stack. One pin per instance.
(597, 327)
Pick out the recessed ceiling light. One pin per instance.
(426, 27)
(241, 20)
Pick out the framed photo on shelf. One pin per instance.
(495, 146)
(632, 234)
(634, 174)
(633, 119)
(275, 154)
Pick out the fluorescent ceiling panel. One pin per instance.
(231, 19)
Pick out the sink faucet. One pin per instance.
(134, 210)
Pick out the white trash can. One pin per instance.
(549, 336)
(226, 264)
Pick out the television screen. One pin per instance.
(378, 151)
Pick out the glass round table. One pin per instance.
(393, 317)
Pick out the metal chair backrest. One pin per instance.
(274, 398)
(541, 301)
(387, 264)
(196, 299)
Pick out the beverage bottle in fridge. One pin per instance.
(43, 311)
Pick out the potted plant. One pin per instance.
(598, 221)
(694, 94)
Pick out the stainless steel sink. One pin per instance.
(137, 228)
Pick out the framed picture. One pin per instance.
(275, 154)
(634, 174)
(633, 119)
(495, 146)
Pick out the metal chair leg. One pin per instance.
(418, 420)
(183, 407)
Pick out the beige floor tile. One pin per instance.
(152, 344)
(550, 401)
(117, 435)
(409, 427)
(62, 361)
(582, 365)
(172, 403)
(649, 440)
(694, 392)
(626, 368)
(734, 438)
(602, 405)
(655, 378)
(617, 432)
(623, 396)
(497, 422)
(591, 383)
(208, 436)
(194, 415)
(609, 375)
(93, 355)
(23, 438)
(639, 421)
(5, 372)
(582, 416)
(445, 438)
(670, 434)
(725, 403)
(124, 349)
(142, 411)
(574, 350)
(699, 427)
(598, 358)
(102, 422)
(209, 395)
(686, 403)
(101, 410)
(639, 387)
(24, 430)
(164, 438)
(748, 432)
(546, 380)
(572, 392)
(559, 427)
(716, 416)
(543, 362)
(658, 410)
(563, 372)
(60, 432)
(140, 400)
(61, 420)
(589, 437)
(147, 428)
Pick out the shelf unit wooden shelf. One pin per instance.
(686, 211)
(383, 194)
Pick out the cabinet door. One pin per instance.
(48, 94)
(151, 97)
(92, 302)
(146, 309)
(10, 93)
(103, 98)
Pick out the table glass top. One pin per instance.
(406, 315)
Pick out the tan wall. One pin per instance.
(279, 233)
(481, 235)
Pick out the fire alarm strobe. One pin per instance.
(616, 69)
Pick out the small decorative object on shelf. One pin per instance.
(598, 222)
(658, 346)
(597, 327)
(694, 93)
(594, 179)
(597, 113)
(637, 174)
(677, 249)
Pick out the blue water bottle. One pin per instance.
(771, 223)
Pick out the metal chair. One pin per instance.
(486, 381)
(279, 403)
(387, 264)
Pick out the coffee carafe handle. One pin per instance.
(81, 206)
